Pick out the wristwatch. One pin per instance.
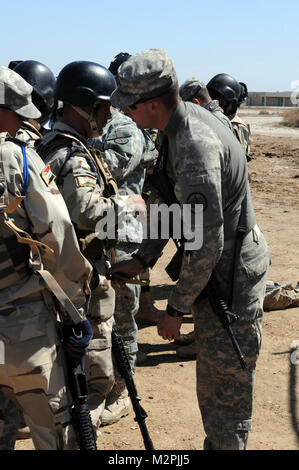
(173, 312)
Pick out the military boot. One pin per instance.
(185, 339)
(147, 313)
(24, 433)
(117, 404)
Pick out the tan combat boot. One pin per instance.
(117, 404)
(23, 433)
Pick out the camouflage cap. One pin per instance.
(145, 73)
(190, 88)
(15, 93)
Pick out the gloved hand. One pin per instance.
(76, 338)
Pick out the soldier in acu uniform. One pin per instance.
(38, 248)
(89, 190)
(204, 168)
(195, 90)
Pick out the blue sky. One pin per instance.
(256, 41)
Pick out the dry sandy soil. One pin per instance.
(167, 383)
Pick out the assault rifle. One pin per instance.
(125, 371)
(81, 419)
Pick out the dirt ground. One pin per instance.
(167, 383)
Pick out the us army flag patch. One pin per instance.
(47, 175)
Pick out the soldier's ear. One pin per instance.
(196, 101)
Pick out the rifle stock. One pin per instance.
(80, 412)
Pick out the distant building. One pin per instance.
(269, 98)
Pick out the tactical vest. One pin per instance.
(93, 157)
(106, 181)
(14, 257)
(17, 246)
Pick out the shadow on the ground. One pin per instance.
(165, 354)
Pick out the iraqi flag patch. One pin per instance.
(86, 180)
(48, 176)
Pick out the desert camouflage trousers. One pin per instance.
(224, 390)
(33, 376)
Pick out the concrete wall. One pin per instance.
(269, 99)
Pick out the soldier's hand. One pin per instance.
(122, 270)
(139, 203)
(132, 203)
(169, 327)
(76, 338)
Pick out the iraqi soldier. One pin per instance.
(123, 148)
(38, 249)
(204, 169)
(230, 93)
(42, 79)
(89, 191)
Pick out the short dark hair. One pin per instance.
(171, 98)
(203, 95)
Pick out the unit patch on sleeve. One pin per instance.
(195, 199)
(86, 180)
(48, 176)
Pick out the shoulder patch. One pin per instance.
(86, 180)
(47, 175)
(197, 198)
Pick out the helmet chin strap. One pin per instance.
(91, 120)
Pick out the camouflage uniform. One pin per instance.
(33, 373)
(214, 107)
(28, 134)
(242, 132)
(191, 88)
(78, 182)
(205, 165)
(123, 147)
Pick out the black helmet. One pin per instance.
(118, 60)
(13, 63)
(244, 92)
(225, 86)
(82, 83)
(42, 79)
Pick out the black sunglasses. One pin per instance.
(133, 107)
